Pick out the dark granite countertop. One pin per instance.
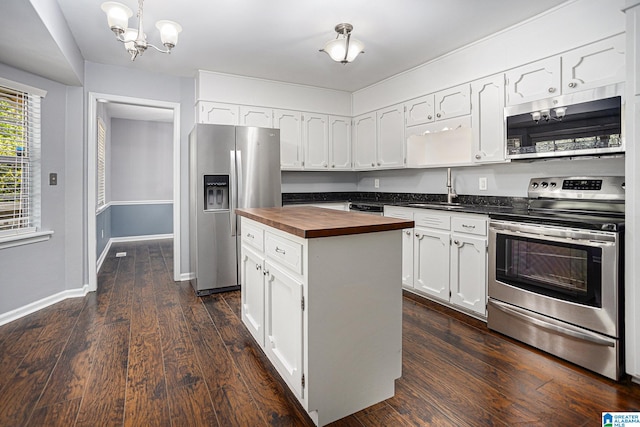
(485, 205)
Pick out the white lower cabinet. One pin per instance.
(283, 325)
(327, 312)
(445, 256)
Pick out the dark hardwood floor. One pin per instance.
(145, 351)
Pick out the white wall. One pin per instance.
(504, 179)
(267, 93)
(571, 25)
(141, 160)
(36, 271)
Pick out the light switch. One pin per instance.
(53, 178)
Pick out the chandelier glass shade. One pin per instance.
(134, 39)
(343, 48)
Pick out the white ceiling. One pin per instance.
(280, 39)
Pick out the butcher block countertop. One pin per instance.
(309, 222)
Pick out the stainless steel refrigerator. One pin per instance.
(229, 167)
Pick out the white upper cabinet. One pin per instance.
(218, 113)
(487, 119)
(595, 65)
(315, 135)
(364, 141)
(454, 102)
(340, 143)
(256, 116)
(592, 66)
(533, 81)
(419, 111)
(290, 125)
(390, 137)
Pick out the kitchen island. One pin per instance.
(322, 296)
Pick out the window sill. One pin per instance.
(24, 239)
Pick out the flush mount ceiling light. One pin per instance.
(135, 40)
(343, 49)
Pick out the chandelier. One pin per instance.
(343, 49)
(135, 40)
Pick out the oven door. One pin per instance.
(567, 274)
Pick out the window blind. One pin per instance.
(19, 142)
(101, 163)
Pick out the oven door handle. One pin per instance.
(562, 330)
(541, 236)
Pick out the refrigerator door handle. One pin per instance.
(233, 190)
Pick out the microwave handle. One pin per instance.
(561, 330)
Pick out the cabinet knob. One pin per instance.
(333, 166)
(417, 235)
(456, 242)
(438, 115)
(408, 233)
(373, 165)
(478, 156)
(265, 272)
(379, 163)
(258, 267)
(552, 89)
(573, 84)
(429, 117)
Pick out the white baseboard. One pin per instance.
(12, 315)
(186, 276)
(105, 251)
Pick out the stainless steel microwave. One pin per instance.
(584, 123)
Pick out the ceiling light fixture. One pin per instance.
(135, 40)
(343, 49)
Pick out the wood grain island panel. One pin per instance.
(310, 222)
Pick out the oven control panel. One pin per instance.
(598, 188)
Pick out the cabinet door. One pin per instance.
(391, 145)
(256, 116)
(251, 270)
(533, 81)
(364, 141)
(419, 111)
(283, 321)
(340, 142)
(487, 120)
(290, 125)
(469, 272)
(407, 257)
(431, 262)
(315, 134)
(217, 113)
(454, 102)
(596, 65)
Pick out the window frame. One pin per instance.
(29, 230)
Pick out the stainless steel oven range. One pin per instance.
(556, 271)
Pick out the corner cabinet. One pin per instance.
(302, 301)
(445, 257)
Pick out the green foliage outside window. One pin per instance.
(12, 130)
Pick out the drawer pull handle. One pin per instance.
(280, 251)
(251, 236)
(469, 226)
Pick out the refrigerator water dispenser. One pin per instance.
(216, 192)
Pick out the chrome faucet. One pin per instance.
(451, 193)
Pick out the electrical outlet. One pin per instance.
(482, 183)
(376, 183)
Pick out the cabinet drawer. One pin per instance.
(400, 213)
(432, 219)
(477, 226)
(253, 236)
(284, 251)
